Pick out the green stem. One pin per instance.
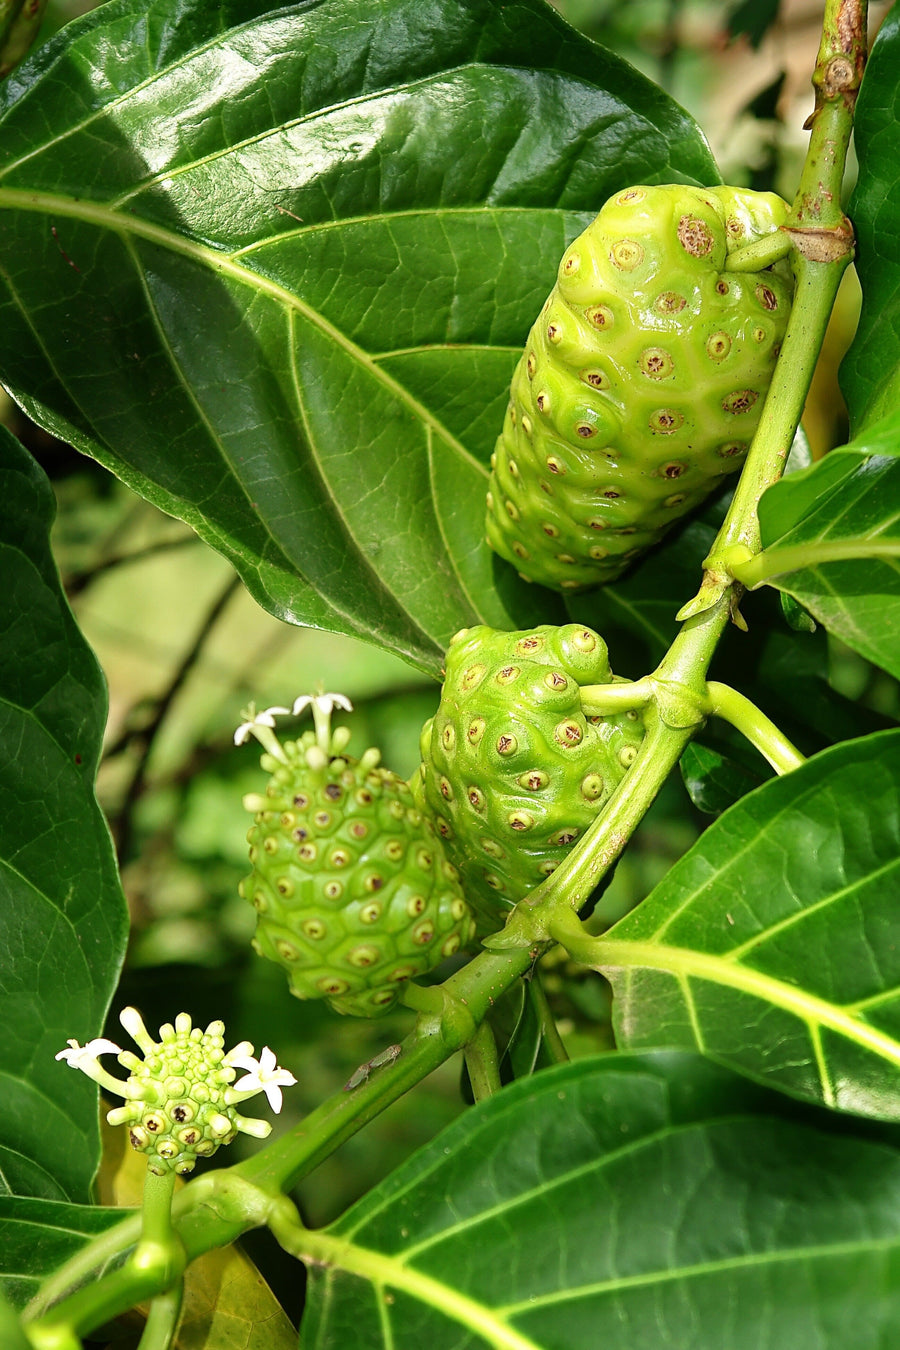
(604, 700)
(760, 731)
(483, 1063)
(553, 1042)
(823, 243)
(779, 561)
(162, 1320)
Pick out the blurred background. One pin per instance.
(184, 648)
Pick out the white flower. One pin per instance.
(266, 718)
(75, 1052)
(323, 703)
(263, 1075)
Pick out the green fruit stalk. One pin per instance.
(641, 384)
(353, 891)
(512, 772)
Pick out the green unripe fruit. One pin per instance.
(512, 772)
(641, 384)
(353, 890)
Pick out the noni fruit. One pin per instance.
(353, 891)
(641, 383)
(512, 771)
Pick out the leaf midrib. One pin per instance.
(684, 963)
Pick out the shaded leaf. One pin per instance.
(11, 1334)
(870, 372)
(289, 307)
(63, 921)
(37, 1236)
(719, 767)
(831, 539)
(625, 1201)
(774, 945)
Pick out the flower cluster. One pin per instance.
(180, 1097)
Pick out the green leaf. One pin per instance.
(719, 767)
(619, 1202)
(831, 539)
(289, 307)
(37, 1236)
(12, 1337)
(773, 945)
(63, 920)
(870, 372)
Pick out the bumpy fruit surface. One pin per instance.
(353, 890)
(641, 383)
(513, 773)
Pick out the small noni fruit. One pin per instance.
(641, 383)
(180, 1094)
(512, 772)
(353, 890)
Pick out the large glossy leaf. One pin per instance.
(62, 913)
(37, 1236)
(870, 373)
(618, 1203)
(774, 945)
(831, 539)
(275, 268)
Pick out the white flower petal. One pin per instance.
(264, 1076)
(76, 1052)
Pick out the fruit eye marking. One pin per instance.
(585, 430)
(766, 297)
(666, 420)
(741, 401)
(568, 732)
(695, 236)
(333, 792)
(672, 470)
(718, 346)
(601, 316)
(656, 363)
(669, 302)
(507, 745)
(626, 254)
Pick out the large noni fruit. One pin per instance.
(641, 383)
(512, 771)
